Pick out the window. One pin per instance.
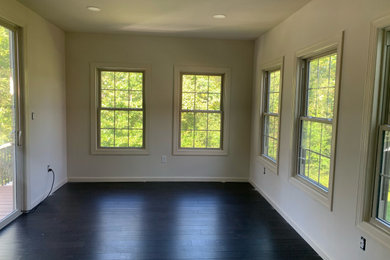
(373, 214)
(270, 113)
(381, 199)
(119, 110)
(316, 121)
(318, 84)
(200, 110)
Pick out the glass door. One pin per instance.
(9, 122)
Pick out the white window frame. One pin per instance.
(368, 182)
(94, 91)
(178, 71)
(334, 44)
(266, 68)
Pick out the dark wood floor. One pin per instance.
(153, 221)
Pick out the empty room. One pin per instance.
(210, 129)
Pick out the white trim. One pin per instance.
(277, 64)
(290, 221)
(146, 68)
(156, 179)
(226, 105)
(364, 220)
(334, 43)
(14, 215)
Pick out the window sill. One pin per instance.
(200, 152)
(268, 164)
(315, 192)
(115, 151)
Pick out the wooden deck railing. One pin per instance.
(6, 163)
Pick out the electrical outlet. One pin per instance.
(163, 159)
(363, 243)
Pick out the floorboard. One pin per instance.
(164, 221)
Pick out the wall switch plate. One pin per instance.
(363, 243)
(163, 159)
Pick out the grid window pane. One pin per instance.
(215, 84)
(187, 139)
(121, 98)
(136, 81)
(122, 81)
(189, 83)
(187, 121)
(121, 138)
(200, 139)
(214, 121)
(314, 159)
(271, 115)
(214, 102)
(201, 101)
(321, 86)
(107, 119)
(201, 114)
(188, 101)
(136, 119)
(273, 103)
(107, 98)
(135, 99)
(270, 148)
(214, 139)
(202, 83)
(121, 120)
(136, 138)
(201, 121)
(107, 137)
(107, 80)
(271, 133)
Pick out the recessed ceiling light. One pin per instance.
(93, 8)
(219, 16)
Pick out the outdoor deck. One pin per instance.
(6, 200)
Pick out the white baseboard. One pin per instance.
(156, 179)
(306, 237)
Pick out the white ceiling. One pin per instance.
(246, 19)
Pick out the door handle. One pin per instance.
(19, 138)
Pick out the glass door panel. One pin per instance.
(7, 123)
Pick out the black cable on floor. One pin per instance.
(51, 188)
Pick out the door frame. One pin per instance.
(19, 187)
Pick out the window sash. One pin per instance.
(195, 111)
(114, 109)
(384, 121)
(305, 74)
(379, 179)
(319, 154)
(267, 114)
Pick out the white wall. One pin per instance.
(44, 66)
(162, 53)
(334, 233)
